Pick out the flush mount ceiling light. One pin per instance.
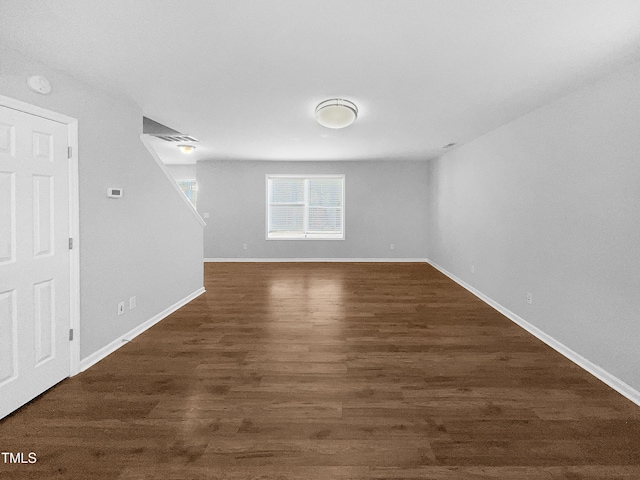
(186, 148)
(336, 113)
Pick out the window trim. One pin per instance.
(318, 175)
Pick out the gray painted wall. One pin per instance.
(384, 204)
(147, 244)
(550, 204)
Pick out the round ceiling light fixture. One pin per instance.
(336, 113)
(186, 148)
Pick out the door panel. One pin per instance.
(7, 217)
(8, 336)
(45, 320)
(43, 208)
(34, 257)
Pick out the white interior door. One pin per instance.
(34, 257)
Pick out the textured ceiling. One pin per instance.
(244, 77)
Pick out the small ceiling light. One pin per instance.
(186, 148)
(336, 113)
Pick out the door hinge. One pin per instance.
(69, 152)
(70, 243)
(70, 334)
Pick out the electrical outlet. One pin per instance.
(120, 308)
(529, 298)
(244, 246)
(132, 303)
(392, 246)
(473, 269)
(205, 215)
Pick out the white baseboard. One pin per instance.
(328, 260)
(598, 372)
(130, 335)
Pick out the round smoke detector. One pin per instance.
(39, 84)
(336, 113)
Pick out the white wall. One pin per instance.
(182, 172)
(384, 200)
(550, 204)
(147, 244)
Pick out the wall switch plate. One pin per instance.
(392, 246)
(244, 246)
(473, 269)
(132, 303)
(205, 215)
(120, 308)
(529, 298)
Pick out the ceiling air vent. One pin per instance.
(176, 138)
(151, 127)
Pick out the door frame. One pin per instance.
(74, 219)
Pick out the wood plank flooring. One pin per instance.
(329, 371)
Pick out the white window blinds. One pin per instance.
(305, 207)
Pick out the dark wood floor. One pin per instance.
(325, 372)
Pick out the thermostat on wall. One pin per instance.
(114, 192)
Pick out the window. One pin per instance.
(305, 207)
(190, 189)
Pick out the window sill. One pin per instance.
(305, 238)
